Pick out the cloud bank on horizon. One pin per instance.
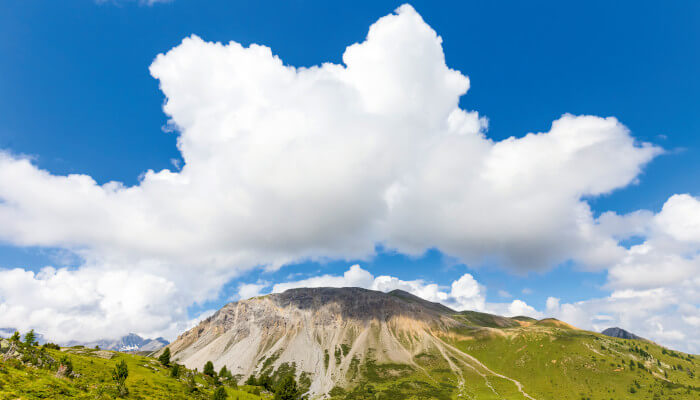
(283, 164)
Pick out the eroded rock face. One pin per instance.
(318, 330)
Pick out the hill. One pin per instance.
(352, 343)
(40, 373)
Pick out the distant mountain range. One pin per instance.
(129, 343)
(621, 333)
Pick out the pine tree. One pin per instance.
(226, 376)
(165, 357)
(30, 338)
(287, 389)
(15, 337)
(209, 369)
(119, 375)
(251, 381)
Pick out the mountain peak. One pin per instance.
(621, 333)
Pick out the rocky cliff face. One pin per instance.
(326, 335)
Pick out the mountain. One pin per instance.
(129, 343)
(621, 333)
(352, 343)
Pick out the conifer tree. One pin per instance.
(165, 357)
(287, 389)
(119, 375)
(30, 338)
(209, 369)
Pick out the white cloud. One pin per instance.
(519, 307)
(89, 303)
(654, 314)
(656, 285)
(248, 290)
(282, 164)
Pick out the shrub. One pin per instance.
(175, 371)
(191, 383)
(67, 364)
(220, 394)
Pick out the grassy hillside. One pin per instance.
(561, 363)
(541, 361)
(490, 358)
(92, 378)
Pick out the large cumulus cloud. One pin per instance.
(283, 164)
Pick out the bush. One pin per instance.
(175, 371)
(67, 364)
(220, 394)
(51, 346)
(191, 384)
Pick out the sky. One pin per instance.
(159, 159)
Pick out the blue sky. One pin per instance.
(77, 97)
